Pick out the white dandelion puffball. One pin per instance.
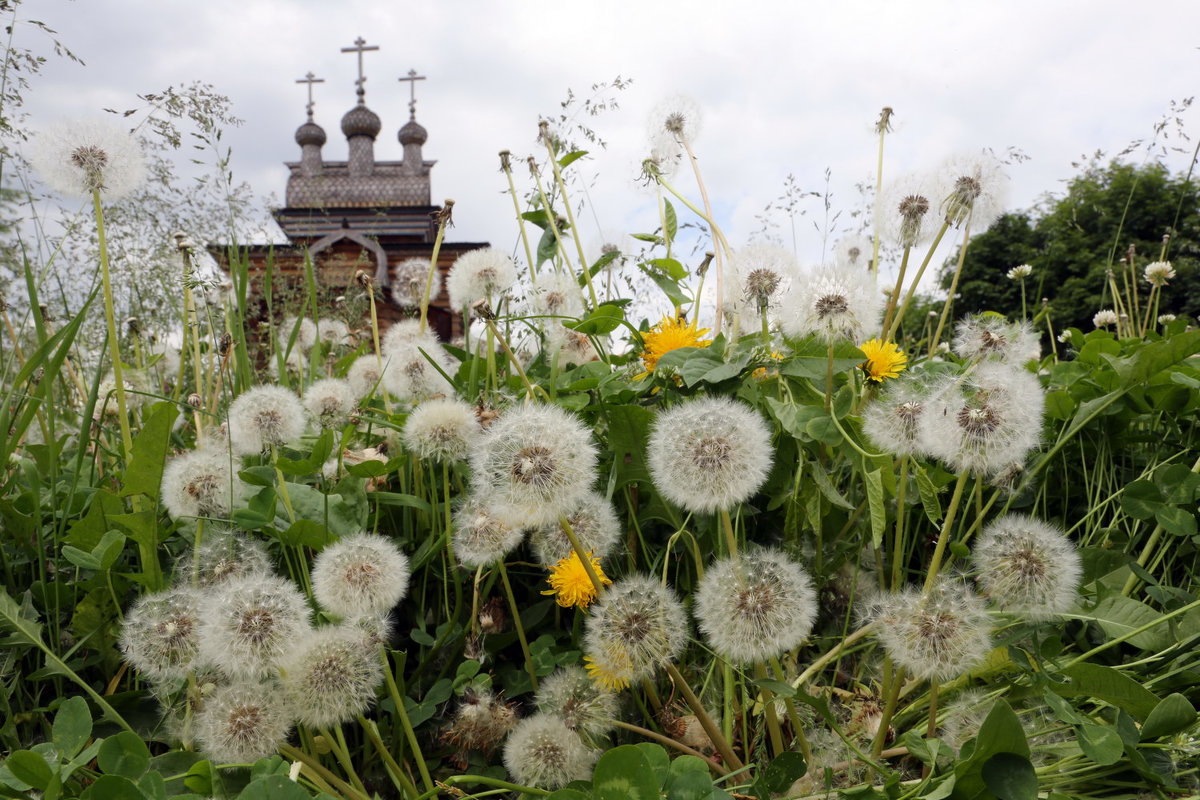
(200, 483)
(329, 402)
(594, 522)
(480, 538)
(942, 634)
(989, 336)
(853, 252)
(242, 723)
(971, 187)
(160, 634)
(759, 276)
(222, 556)
(78, 157)
(264, 416)
(1157, 273)
(709, 453)
(330, 677)
(303, 328)
(905, 211)
(250, 622)
(833, 303)
(984, 422)
(334, 332)
(1027, 567)
(360, 574)
(444, 429)
(408, 282)
(409, 357)
(483, 274)
(637, 625)
(534, 464)
(674, 120)
(543, 752)
(755, 606)
(557, 294)
(1105, 317)
(365, 375)
(892, 420)
(573, 347)
(481, 721)
(572, 696)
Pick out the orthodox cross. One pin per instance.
(360, 47)
(310, 79)
(412, 79)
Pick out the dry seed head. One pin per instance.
(443, 429)
(79, 157)
(534, 464)
(304, 329)
(160, 634)
(408, 282)
(573, 697)
(480, 722)
(835, 304)
(264, 416)
(249, 623)
(242, 723)
(1027, 567)
(200, 483)
(709, 453)
(942, 634)
(992, 337)
(365, 375)
(543, 752)
(637, 626)
(484, 274)
(361, 574)
(480, 538)
(972, 187)
(330, 677)
(330, 401)
(222, 556)
(756, 606)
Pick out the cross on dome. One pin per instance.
(360, 47)
(412, 79)
(310, 79)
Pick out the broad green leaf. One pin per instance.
(31, 768)
(273, 787)
(114, 787)
(657, 758)
(1010, 777)
(150, 446)
(571, 158)
(1001, 732)
(568, 794)
(547, 246)
(623, 773)
(72, 726)
(124, 754)
(1140, 499)
(1170, 716)
(605, 319)
(1109, 685)
(1118, 616)
(313, 462)
(874, 480)
(1176, 520)
(405, 500)
(671, 220)
(929, 495)
(1100, 743)
(669, 266)
(784, 770)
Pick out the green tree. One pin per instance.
(1072, 240)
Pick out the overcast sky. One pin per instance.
(785, 87)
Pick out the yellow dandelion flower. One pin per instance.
(671, 333)
(607, 677)
(762, 373)
(884, 360)
(570, 583)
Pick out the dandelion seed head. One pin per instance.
(709, 453)
(1027, 567)
(556, 294)
(755, 606)
(330, 678)
(408, 282)
(637, 626)
(942, 634)
(78, 157)
(444, 429)
(250, 622)
(534, 464)
(264, 416)
(902, 210)
(481, 538)
(365, 375)
(414, 363)
(972, 186)
(834, 304)
(330, 402)
(594, 522)
(964, 716)
(543, 752)
(572, 696)
(480, 722)
(200, 483)
(988, 336)
(360, 574)
(334, 331)
(483, 274)
(305, 330)
(222, 556)
(853, 252)
(160, 634)
(242, 723)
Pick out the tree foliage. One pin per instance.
(1071, 241)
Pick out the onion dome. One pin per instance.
(413, 133)
(310, 133)
(361, 121)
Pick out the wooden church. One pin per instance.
(361, 213)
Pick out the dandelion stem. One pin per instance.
(399, 779)
(443, 218)
(768, 701)
(713, 764)
(516, 616)
(506, 168)
(341, 752)
(584, 557)
(901, 514)
(890, 700)
(939, 550)
(719, 308)
(793, 717)
(730, 537)
(562, 188)
(894, 296)
(316, 770)
(110, 318)
(405, 722)
(829, 380)
(706, 721)
(912, 289)
(949, 304)
(836, 652)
